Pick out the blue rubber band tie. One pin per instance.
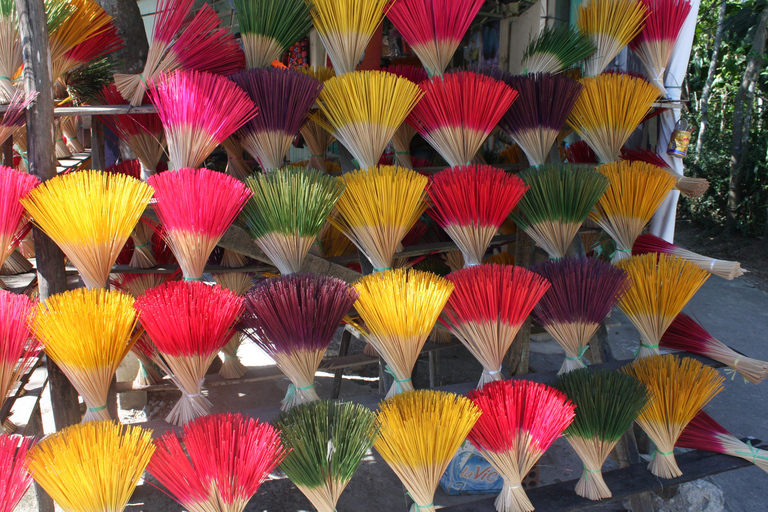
(388, 370)
(383, 269)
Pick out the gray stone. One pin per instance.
(701, 496)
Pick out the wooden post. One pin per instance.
(8, 152)
(52, 279)
(519, 355)
(97, 145)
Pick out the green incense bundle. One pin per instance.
(326, 442)
(557, 49)
(559, 198)
(607, 402)
(287, 211)
(269, 27)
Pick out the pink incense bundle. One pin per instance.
(198, 111)
(687, 334)
(14, 477)
(689, 187)
(218, 462)
(189, 324)
(459, 111)
(13, 186)
(704, 433)
(433, 28)
(519, 422)
(402, 138)
(17, 345)
(16, 114)
(471, 202)
(648, 243)
(196, 207)
(488, 306)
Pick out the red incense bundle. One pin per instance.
(687, 334)
(726, 269)
(520, 420)
(579, 152)
(96, 47)
(189, 324)
(471, 202)
(459, 111)
(14, 185)
(17, 345)
(689, 187)
(14, 477)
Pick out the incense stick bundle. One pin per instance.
(378, 207)
(10, 50)
(293, 319)
(269, 27)
(471, 202)
(189, 323)
(60, 145)
(320, 73)
(556, 49)
(519, 422)
(83, 20)
(332, 242)
(420, 433)
(236, 165)
(14, 185)
(583, 292)
(308, 430)
(536, 118)
(607, 403)
(14, 477)
(196, 207)
(346, 27)
(218, 462)
(88, 333)
(269, 135)
(15, 115)
(95, 47)
(609, 109)
(579, 152)
(18, 347)
(488, 306)
(661, 287)
(90, 215)
(287, 211)
(363, 110)
(433, 28)
(685, 333)
(402, 138)
(318, 139)
(655, 43)
(69, 129)
(95, 466)
(459, 111)
(558, 201)
(648, 243)
(636, 191)
(679, 388)
(704, 433)
(689, 187)
(239, 283)
(16, 264)
(611, 24)
(147, 355)
(400, 308)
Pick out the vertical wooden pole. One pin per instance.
(51, 275)
(8, 152)
(97, 145)
(519, 354)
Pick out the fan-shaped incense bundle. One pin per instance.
(147, 355)
(269, 135)
(611, 24)
(14, 477)
(519, 421)
(679, 388)
(332, 242)
(655, 43)
(90, 215)
(320, 73)
(60, 145)
(401, 140)
(69, 129)
(689, 187)
(661, 287)
(195, 207)
(487, 308)
(287, 211)
(685, 333)
(559, 199)
(87, 333)
(10, 54)
(95, 47)
(420, 433)
(609, 109)
(95, 466)
(536, 118)
(704, 433)
(636, 190)
(269, 27)
(189, 323)
(607, 403)
(556, 49)
(218, 463)
(471, 202)
(459, 111)
(583, 292)
(198, 111)
(85, 19)
(579, 152)
(13, 186)
(17, 345)
(378, 207)
(293, 319)
(325, 441)
(238, 282)
(648, 243)
(318, 139)
(15, 115)
(400, 308)
(364, 109)
(346, 27)
(236, 165)
(433, 28)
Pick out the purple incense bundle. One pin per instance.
(536, 118)
(583, 292)
(283, 97)
(293, 318)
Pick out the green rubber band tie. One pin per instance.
(191, 278)
(143, 80)
(384, 269)
(628, 251)
(581, 354)
(588, 471)
(227, 358)
(420, 507)
(97, 409)
(655, 451)
(5, 78)
(142, 245)
(643, 345)
(305, 387)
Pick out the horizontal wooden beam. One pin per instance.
(98, 110)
